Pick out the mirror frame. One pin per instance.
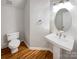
(62, 10)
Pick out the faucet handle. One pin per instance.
(64, 36)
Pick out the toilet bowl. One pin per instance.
(13, 45)
(14, 41)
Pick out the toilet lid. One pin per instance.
(14, 43)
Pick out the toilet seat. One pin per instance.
(14, 43)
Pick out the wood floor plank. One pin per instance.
(25, 53)
(30, 55)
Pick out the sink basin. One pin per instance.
(64, 43)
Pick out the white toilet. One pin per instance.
(14, 42)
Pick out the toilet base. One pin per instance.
(14, 50)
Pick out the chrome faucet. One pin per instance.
(60, 34)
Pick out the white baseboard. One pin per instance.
(38, 48)
(26, 44)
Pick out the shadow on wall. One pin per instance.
(5, 41)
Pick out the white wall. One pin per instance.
(27, 22)
(12, 20)
(73, 32)
(37, 10)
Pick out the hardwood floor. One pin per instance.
(25, 53)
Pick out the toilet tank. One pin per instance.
(12, 36)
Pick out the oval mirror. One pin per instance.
(63, 20)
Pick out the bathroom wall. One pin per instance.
(27, 22)
(73, 31)
(12, 20)
(39, 10)
(38, 19)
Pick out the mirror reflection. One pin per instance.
(63, 20)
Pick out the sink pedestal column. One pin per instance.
(56, 52)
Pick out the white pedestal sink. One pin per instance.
(64, 43)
